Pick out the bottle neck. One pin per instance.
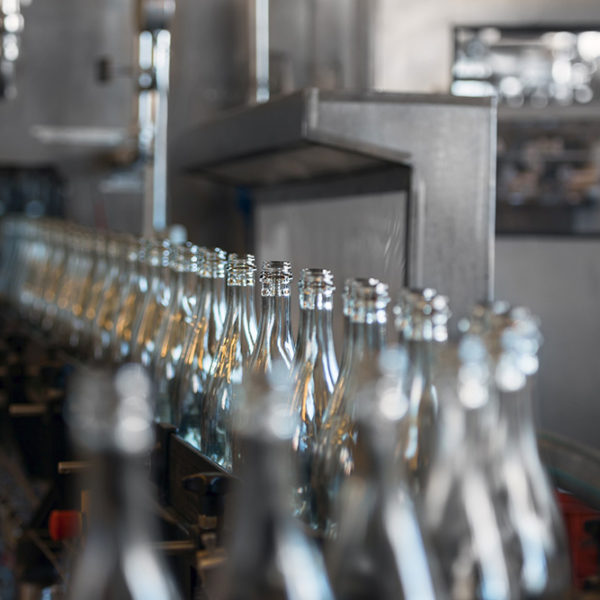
(516, 418)
(240, 313)
(367, 339)
(315, 339)
(274, 333)
(120, 498)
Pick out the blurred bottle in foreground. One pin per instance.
(460, 506)
(533, 531)
(421, 318)
(380, 551)
(314, 372)
(111, 420)
(270, 556)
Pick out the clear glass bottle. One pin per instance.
(231, 360)
(270, 557)
(314, 373)
(132, 301)
(60, 258)
(111, 420)
(275, 340)
(170, 338)
(116, 280)
(421, 319)
(80, 293)
(334, 455)
(160, 292)
(202, 340)
(380, 551)
(94, 296)
(533, 530)
(459, 505)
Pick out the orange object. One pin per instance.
(64, 524)
(583, 547)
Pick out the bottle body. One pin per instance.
(170, 338)
(270, 556)
(380, 551)
(201, 344)
(421, 319)
(314, 373)
(334, 455)
(230, 362)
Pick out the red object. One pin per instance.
(64, 524)
(583, 547)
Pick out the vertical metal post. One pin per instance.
(259, 51)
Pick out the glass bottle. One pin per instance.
(202, 340)
(132, 301)
(81, 290)
(31, 271)
(111, 420)
(459, 505)
(315, 372)
(380, 551)
(230, 362)
(533, 530)
(170, 338)
(270, 557)
(116, 280)
(421, 319)
(275, 340)
(334, 455)
(158, 298)
(54, 283)
(94, 295)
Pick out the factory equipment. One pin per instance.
(396, 186)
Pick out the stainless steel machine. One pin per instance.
(395, 186)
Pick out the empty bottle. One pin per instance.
(160, 291)
(270, 557)
(532, 528)
(274, 340)
(230, 362)
(132, 300)
(380, 551)
(315, 372)
(460, 507)
(334, 455)
(111, 420)
(201, 342)
(170, 338)
(421, 319)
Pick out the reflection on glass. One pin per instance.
(230, 362)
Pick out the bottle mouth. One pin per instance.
(512, 338)
(316, 289)
(215, 263)
(241, 270)
(422, 314)
(188, 258)
(276, 277)
(368, 300)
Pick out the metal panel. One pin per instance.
(452, 149)
(448, 142)
(356, 226)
